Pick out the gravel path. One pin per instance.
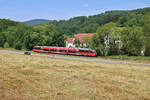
(78, 58)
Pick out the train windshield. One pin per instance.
(94, 51)
(36, 48)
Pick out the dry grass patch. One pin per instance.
(39, 78)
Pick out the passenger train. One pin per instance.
(65, 51)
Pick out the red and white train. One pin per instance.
(66, 51)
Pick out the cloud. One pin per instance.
(85, 5)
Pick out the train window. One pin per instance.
(81, 50)
(53, 50)
(37, 48)
(90, 52)
(87, 51)
(62, 51)
(45, 49)
(72, 51)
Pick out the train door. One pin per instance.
(77, 51)
(42, 50)
(58, 50)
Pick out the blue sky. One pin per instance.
(22, 10)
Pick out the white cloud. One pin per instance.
(85, 5)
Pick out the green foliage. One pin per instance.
(133, 41)
(90, 28)
(117, 32)
(18, 45)
(146, 30)
(132, 22)
(104, 39)
(47, 35)
(6, 45)
(21, 36)
(77, 43)
(122, 20)
(2, 39)
(5, 23)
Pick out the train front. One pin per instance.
(94, 53)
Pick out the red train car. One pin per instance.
(66, 51)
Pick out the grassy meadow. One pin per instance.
(25, 77)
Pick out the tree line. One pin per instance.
(113, 40)
(116, 32)
(20, 36)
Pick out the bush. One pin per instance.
(6, 45)
(18, 45)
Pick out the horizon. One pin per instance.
(26, 10)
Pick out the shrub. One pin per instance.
(6, 45)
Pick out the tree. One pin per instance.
(146, 32)
(122, 20)
(91, 28)
(18, 45)
(77, 43)
(2, 39)
(132, 22)
(133, 41)
(103, 40)
(47, 35)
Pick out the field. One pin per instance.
(25, 77)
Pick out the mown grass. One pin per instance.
(39, 78)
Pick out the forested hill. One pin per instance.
(36, 22)
(131, 27)
(84, 24)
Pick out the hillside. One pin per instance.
(36, 21)
(132, 27)
(84, 24)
